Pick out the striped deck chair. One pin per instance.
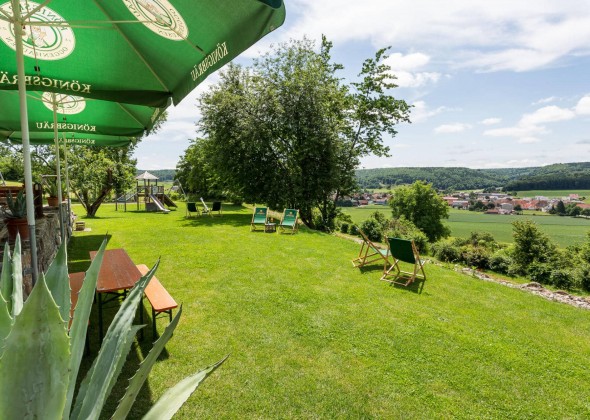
(289, 220)
(370, 253)
(405, 251)
(259, 217)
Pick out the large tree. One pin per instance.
(289, 133)
(421, 204)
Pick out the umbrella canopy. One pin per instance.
(76, 115)
(133, 51)
(69, 138)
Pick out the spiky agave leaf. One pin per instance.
(95, 386)
(5, 290)
(79, 327)
(173, 399)
(17, 278)
(6, 277)
(58, 282)
(136, 382)
(34, 365)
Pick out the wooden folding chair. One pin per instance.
(216, 207)
(289, 220)
(405, 251)
(206, 209)
(191, 208)
(370, 253)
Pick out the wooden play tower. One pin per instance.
(152, 194)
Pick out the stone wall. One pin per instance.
(48, 241)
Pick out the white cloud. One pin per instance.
(421, 111)
(583, 106)
(404, 68)
(490, 36)
(451, 128)
(532, 125)
(547, 114)
(491, 121)
(545, 100)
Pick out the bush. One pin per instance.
(539, 272)
(344, 227)
(584, 277)
(500, 262)
(405, 229)
(354, 230)
(475, 256)
(561, 278)
(372, 229)
(447, 252)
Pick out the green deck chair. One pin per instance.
(191, 207)
(406, 251)
(258, 217)
(289, 220)
(369, 253)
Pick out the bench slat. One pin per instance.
(158, 296)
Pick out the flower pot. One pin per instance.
(15, 226)
(52, 201)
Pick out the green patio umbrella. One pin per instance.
(74, 120)
(132, 51)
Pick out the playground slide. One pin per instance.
(168, 201)
(158, 204)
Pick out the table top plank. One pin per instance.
(118, 272)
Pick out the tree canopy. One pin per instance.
(420, 204)
(288, 132)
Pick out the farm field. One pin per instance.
(311, 337)
(563, 230)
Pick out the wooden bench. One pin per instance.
(76, 280)
(160, 299)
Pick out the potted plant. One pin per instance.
(16, 216)
(53, 199)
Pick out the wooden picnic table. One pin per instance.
(117, 275)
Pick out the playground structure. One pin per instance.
(149, 192)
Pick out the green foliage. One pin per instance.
(405, 229)
(500, 262)
(561, 278)
(566, 176)
(40, 358)
(530, 245)
(17, 206)
(446, 251)
(560, 208)
(420, 204)
(373, 229)
(288, 132)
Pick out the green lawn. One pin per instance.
(563, 230)
(311, 337)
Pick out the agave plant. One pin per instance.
(40, 358)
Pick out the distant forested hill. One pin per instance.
(557, 176)
(162, 174)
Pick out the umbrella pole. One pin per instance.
(58, 170)
(68, 201)
(24, 121)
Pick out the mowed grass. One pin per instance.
(563, 230)
(309, 336)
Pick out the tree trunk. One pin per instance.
(92, 208)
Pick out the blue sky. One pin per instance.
(493, 84)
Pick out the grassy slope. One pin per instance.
(563, 230)
(310, 336)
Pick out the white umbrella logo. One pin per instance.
(160, 17)
(41, 42)
(66, 104)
